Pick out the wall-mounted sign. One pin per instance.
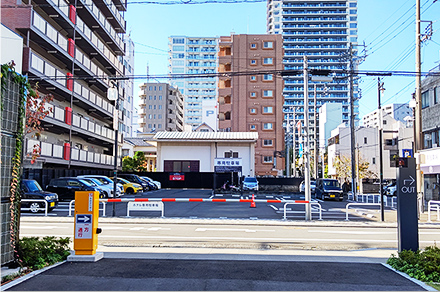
(177, 176)
(407, 153)
(228, 165)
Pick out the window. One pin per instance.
(181, 165)
(353, 11)
(268, 61)
(253, 127)
(352, 4)
(253, 110)
(365, 140)
(267, 109)
(178, 41)
(253, 78)
(253, 46)
(253, 94)
(267, 77)
(267, 142)
(436, 95)
(267, 126)
(425, 99)
(268, 45)
(231, 154)
(178, 48)
(267, 159)
(373, 160)
(253, 62)
(353, 25)
(267, 93)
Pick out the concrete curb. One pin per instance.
(418, 282)
(28, 276)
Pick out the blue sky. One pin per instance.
(386, 26)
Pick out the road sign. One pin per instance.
(407, 153)
(301, 150)
(407, 217)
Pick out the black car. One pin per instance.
(136, 179)
(66, 187)
(30, 189)
(327, 188)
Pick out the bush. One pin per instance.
(421, 265)
(36, 253)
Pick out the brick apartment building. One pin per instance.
(251, 94)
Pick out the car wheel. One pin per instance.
(35, 207)
(101, 196)
(129, 191)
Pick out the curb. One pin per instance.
(28, 276)
(418, 282)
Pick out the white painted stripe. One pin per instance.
(273, 207)
(352, 232)
(231, 229)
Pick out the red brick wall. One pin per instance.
(15, 16)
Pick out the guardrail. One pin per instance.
(36, 200)
(73, 202)
(350, 204)
(433, 205)
(365, 198)
(304, 202)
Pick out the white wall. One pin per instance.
(11, 48)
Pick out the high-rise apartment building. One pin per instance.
(198, 56)
(127, 104)
(322, 30)
(252, 101)
(161, 108)
(71, 51)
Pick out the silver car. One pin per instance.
(106, 184)
(250, 184)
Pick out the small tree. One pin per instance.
(343, 169)
(136, 163)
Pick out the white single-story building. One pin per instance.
(203, 151)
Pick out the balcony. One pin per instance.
(91, 14)
(113, 15)
(59, 10)
(56, 81)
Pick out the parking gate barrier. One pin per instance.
(36, 200)
(434, 205)
(303, 202)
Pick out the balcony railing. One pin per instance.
(48, 30)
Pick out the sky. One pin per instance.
(387, 27)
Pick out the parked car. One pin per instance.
(155, 182)
(103, 190)
(327, 188)
(250, 184)
(30, 189)
(136, 179)
(129, 187)
(108, 184)
(390, 190)
(312, 186)
(66, 187)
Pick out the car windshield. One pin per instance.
(104, 180)
(250, 179)
(33, 186)
(90, 181)
(147, 178)
(85, 182)
(96, 181)
(331, 183)
(123, 181)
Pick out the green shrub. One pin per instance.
(36, 253)
(421, 265)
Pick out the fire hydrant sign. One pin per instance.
(83, 226)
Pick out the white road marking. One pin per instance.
(226, 229)
(157, 228)
(44, 227)
(273, 207)
(352, 232)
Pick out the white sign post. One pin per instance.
(145, 206)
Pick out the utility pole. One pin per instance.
(352, 126)
(418, 97)
(379, 108)
(287, 146)
(315, 143)
(308, 196)
(294, 143)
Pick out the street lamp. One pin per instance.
(111, 96)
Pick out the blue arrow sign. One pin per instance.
(83, 218)
(300, 150)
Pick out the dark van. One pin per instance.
(327, 188)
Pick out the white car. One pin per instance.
(250, 183)
(108, 184)
(155, 182)
(302, 187)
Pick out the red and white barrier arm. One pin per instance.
(201, 200)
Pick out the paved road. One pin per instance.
(207, 275)
(331, 210)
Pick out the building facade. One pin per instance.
(197, 56)
(253, 101)
(126, 126)
(323, 31)
(398, 111)
(71, 52)
(161, 108)
(430, 162)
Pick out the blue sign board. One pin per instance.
(301, 150)
(83, 218)
(407, 153)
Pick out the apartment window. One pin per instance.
(268, 45)
(353, 11)
(425, 99)
(178, 41)
(267, 159)
(436, 95)
(253, 111)
(373, 160)
(267, 93)
(160, 97)
(253, 46)
(352, 4)
(267, 126)
(253, 78)
(353, 25)
(230, 154)
(178, 48)
(267, 61)
(267, 109)
(353, 18)
(160, 106)
(267, 77)
(253, 94)
(253, 127)
(267, 142)
(365, 140)
(253, 62)
(160, 88)
(150, 107)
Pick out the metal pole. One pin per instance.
(115, 152)
(287, 145)
(306, 141)
(315, 143)
(294, 144)
(352, 126)
(418, 96)
(379, 108)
